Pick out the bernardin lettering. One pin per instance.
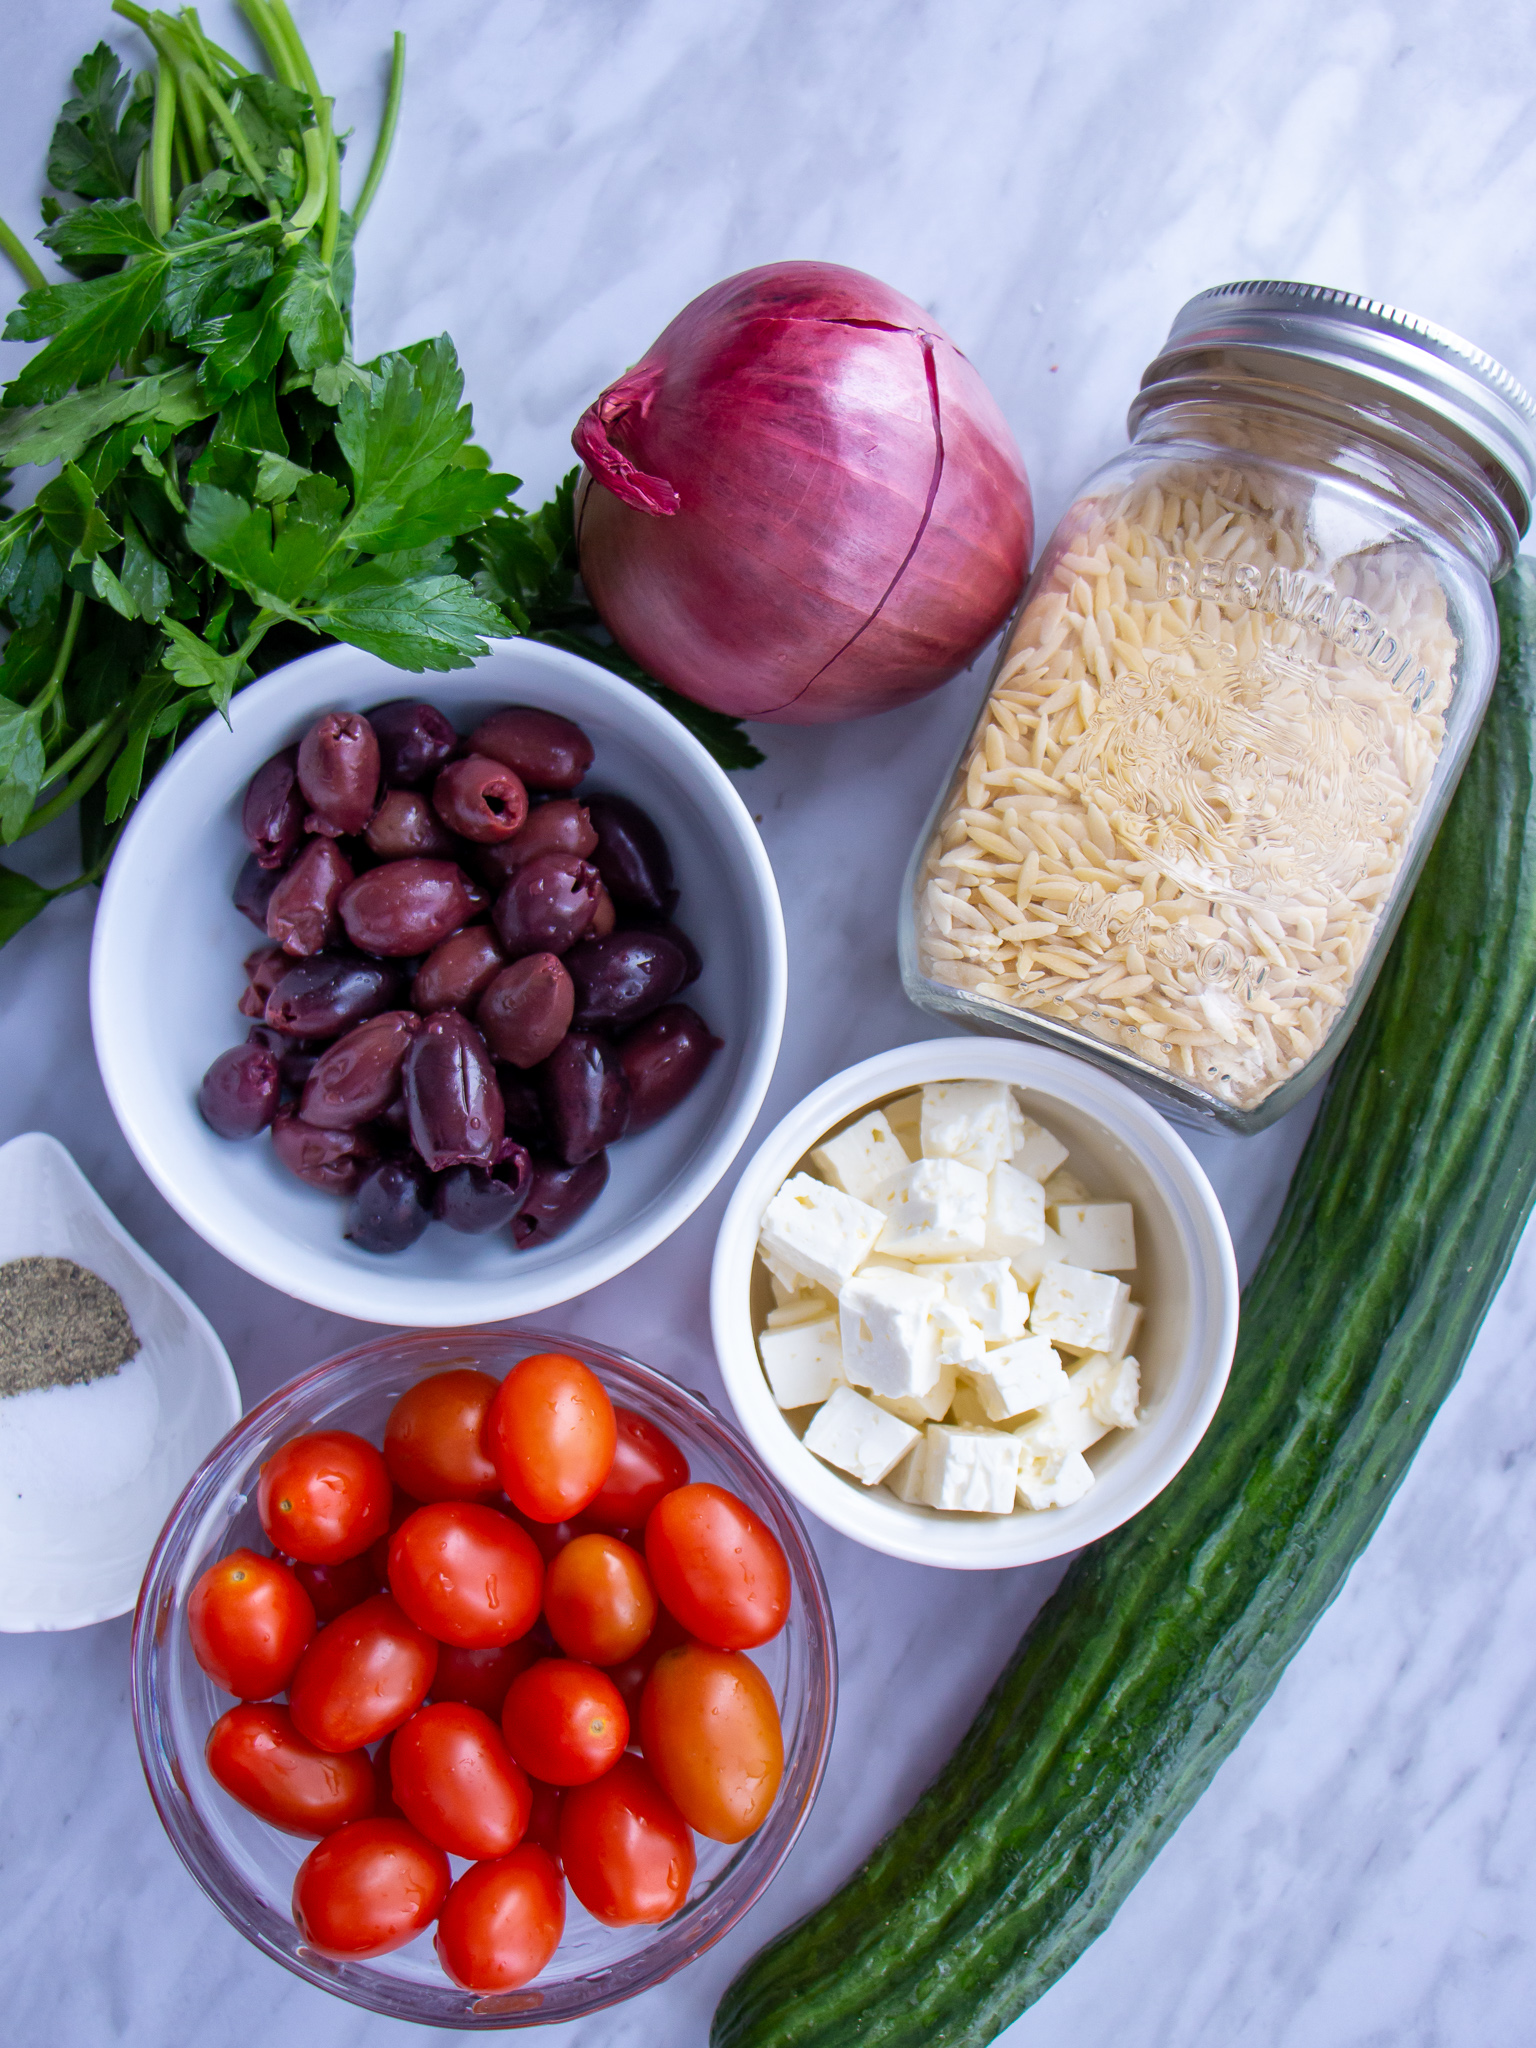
(1293, 594)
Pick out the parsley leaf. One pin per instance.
(98, 141)
(194, 665)
(20, 901)
(108, 227)
(426, 622)
(399, 434)
(96, 325)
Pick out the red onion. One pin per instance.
(811, 507)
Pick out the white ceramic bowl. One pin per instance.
(165, 978)
(1186, 1279)
(92, 1472)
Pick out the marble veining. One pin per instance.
(1052, 184)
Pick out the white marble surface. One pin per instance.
(1052, 183)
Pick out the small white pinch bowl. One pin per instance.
(1186, 1281)
(78, 1521)
(166, 976)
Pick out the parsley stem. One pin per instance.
(161, 34)
(95, 767)
(21, 256)
(158, 184)
(77, 752)
(298, 56)
(386, 138)
(66, 648)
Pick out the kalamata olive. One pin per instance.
(333, 1161)
(406, 906)
(392, 1127)
(359, 1076)
(604, 917)
(264, 969)
(560, 825)
(406, 827)
(556, 1199)
(326, 995)
(547, 905)
(585, 1095)
(526, 1010)
(390, 1208)
(480, 799)
(523, 1109)
(253, 890)
(301, 914)
(693, 964)
(662, 1059)
(468, 1198)
(631, 856)
(339, 772)
(623, 977)
(455, 1106)
(414, 741)
(273, 816)
(454, 973)
(241, 1091)
(546, 750)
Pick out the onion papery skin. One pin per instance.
(802, 504)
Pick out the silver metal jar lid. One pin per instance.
(1443, 380)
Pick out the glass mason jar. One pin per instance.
(1233, 705)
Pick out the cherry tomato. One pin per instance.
(333, 1588)
(502, 1921)
(479, 1678)
(469, 1575)
(432, 1440)
(401, 1508)
(261, 1759)
(710, 1730)
(718, 1567)
(564, 1722)
(630, 1676)
(323, 1498)
(544, 1820)
(551, 1432)
(646, 1464)
(249, 1620)
(627, 1851)
(370, 1887)
(454, 1778)
(361, 1676)
(599, 1600)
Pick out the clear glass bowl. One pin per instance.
(247, 1868)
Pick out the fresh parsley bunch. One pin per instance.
(232, 488)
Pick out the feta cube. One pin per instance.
(921, 1409)
(966, 1408)
(819, 1231)
(802, 1308)
(1063, 1186)
(960, 1340)
(1112, 1389)
(890, 1339)
(904, 1116)
(863, 1158)
(936, 1209)
(974, 1470)
(1029, 1265)
(1014, 1378)
(1067, 1424)
(985, 1291)
(1054, 1482)
(1098, 1235)
(787, 1283)
(802, 1361)
(1015, 1213)
(857, 1437)
(977, 1122)
(1126, 1325)
(1076, 1308)
(905, 1478)
(1039, 1152)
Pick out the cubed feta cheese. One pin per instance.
(976, 1470)
(1066, 1424)
(936, 1209)
(985, 1291)
(863, 1158)
(1063, 1186)
(802, 1361)
(802, 1308)
(904, 1116)
(1112, 1389)
(857, 1437)
(1055, 1481)
(905, 1478)
(787, 1283)
(1015, 1213)
(819, 1231)
(1039, 1152)
(1029, 1265)
(921, 1409)
(977, 1122)
(966, 1409)
(1126, 1325)
(1076, 1308)
(960, 1340)
(890, 1339)
(1013, 1378)
(1098, 1235)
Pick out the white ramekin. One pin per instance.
(1186, 1280)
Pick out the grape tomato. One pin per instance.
(718, 1567)
(627, 1851)
(454, 1778)
(564, 1722)
(250, 1621)
(551, 1433)
(599, 1600)
(261, 1759)
(502, 1921)
(361, 1676)
(324, 1497)
(709, 1727)
(433, 1438)
(369, 1888)
(646, 1465)
(467, 1574)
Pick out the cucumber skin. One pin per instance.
(1164, 1639)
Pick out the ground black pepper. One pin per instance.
(60, 1325)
